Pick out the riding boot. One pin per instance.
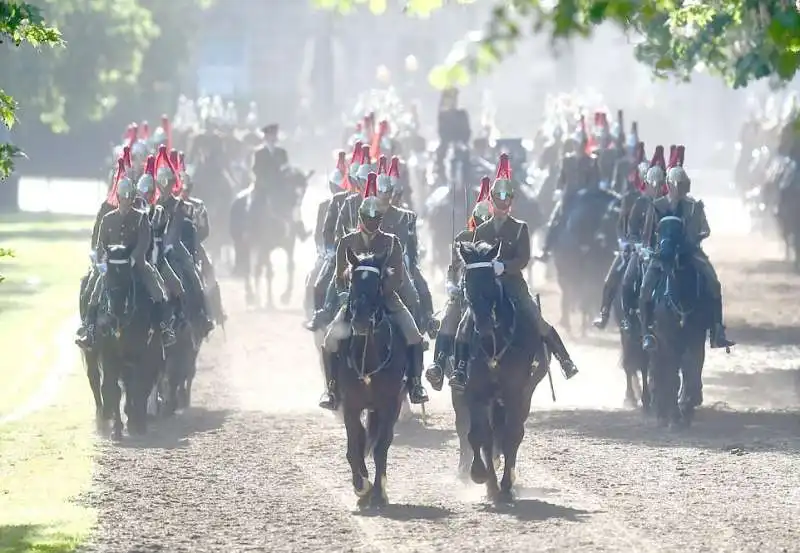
(179, 316)
(605, 308)
(717, 338)
(85, 336)
(206, 324)
(441, 353)
(163, 317)
(416, 391)
(323, 317)
(216, 300)
(459, 379)
(559, 351)
(329, 399)
(646, 319)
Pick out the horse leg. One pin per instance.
(479, 436)
(513, 432)
(93, 373)
(112, 398)
(647, 399)
(383, 421)
(287, 293)
(629, 368)
(269, 274)
(356, 443)
(462, 429)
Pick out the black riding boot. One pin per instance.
(323, 317)
(163, 317)
(717, 338)
(416, 391)
(206, 324)
(85, 336)
(559, 351)
(646, 319)
(441, 353)
(459, 379)
(605, 307)
(329, 399)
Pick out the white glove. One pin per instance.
(330, 252)
(168, 248)
(133, 262)
(102, 267)
(93, 256)
(450, 288)
(498, 267)
(622, 244)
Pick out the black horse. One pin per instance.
(634, 359)
(682, 316)
(259, 225)
(371, 378)
(502, 376)
(129, 347)
(583, 252)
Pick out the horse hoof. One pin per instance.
(629, 403)
(478, 472)
(116, 435)
(504, 496)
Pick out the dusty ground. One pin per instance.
(256, 466)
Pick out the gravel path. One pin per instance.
(256, 466)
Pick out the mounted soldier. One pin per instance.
(129, 227)
(370, 239)
(332, 232)
(514, 255)
(453, 126)
(178, 214)
(678, 203)
(454, 310)
(655, 186)
(634, 189)
(414, 290)
(579, 171)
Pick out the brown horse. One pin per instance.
(371, 378)
(505, 346)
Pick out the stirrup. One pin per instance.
(458, 381)
(417, 394)
(434, 374)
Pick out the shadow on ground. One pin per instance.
(764, 335)
(413, 434)
(405, 512)
(176, 432)
(767, 388)
(533, 510)
(713, 428)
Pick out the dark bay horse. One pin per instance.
(583, 251)
(371, 378)
(259, 225)
(682, 316)
(502, 377)
(128, 346)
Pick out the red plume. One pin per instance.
(633, 176)
(165, 124)
(658, 158)
(126, 156)
(383, 130)
(174, 159)
(679, 155)
(672, 156)
(341, 166)
(112, 199)
(144, 130)
(372, 185)
(130, 134)
(365, 157)
(133, 134)
(640, 155)
(588, 141)
(164, 161)
(394, 167)
(503, 168)
(356, 158)
(150, 169)
(483, 195)
(382, 162)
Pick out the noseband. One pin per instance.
(364, 375)
(495, 356)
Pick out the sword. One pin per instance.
(544, 347)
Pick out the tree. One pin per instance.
(20, 23)
(739, 40)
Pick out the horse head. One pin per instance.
(119, 280)
(671, 241)
(481, 288)
(365, 290)
(681, 284)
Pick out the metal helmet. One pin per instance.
(642, 168)
(146, 185)
(158, 138)
(139, 152)
(482, 211)
(384, 183)
(366, 167)
(678, 179)
(370, 206)
(503, 185)
(125, 188)
(655, 176)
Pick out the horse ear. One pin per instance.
(352, 259)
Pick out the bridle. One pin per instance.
(496, 355)
(374, 322)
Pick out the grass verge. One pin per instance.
(46, 457)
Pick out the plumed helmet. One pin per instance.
(370, 205)
(677, 176)
(503, 185)
(139, 152)
(158, 138)
(146, 185)
(125, 188)
(655, 176)
(642, 168)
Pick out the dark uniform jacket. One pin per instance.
(515, 244)
(379, 244)
(131, 230)
(456, 268)
(268, 164)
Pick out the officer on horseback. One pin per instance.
(579, 171)
(128, 227)
(515, 254)
(635, 188)
(369, 238)
(445, 340)
(678, 203)
(453, 126)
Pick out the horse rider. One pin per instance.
(369, 238)
(177, 212)
(625, 164)
(654, 176)
(324, 290)
(348, 216)
(445, 340)
(635, 188)
(515, 254)
(453, 126)
(149, 192)
(128, 227)
(579, 171)
(414, 290)
(678, 203)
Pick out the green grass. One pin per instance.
(45, 458)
